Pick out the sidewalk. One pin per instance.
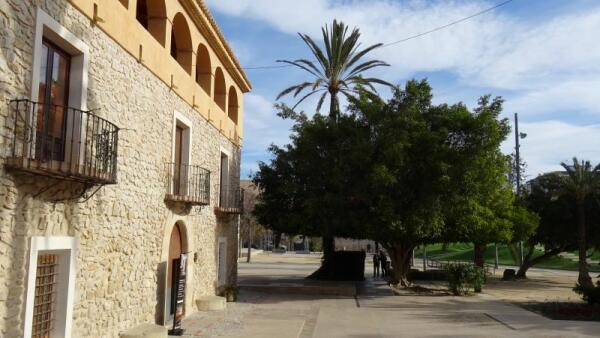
(373, 312)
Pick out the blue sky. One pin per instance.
(542, 56)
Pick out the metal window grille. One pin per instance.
(45, 296)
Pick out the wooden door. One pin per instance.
(175, 250)
(53, 99)
(178, 168)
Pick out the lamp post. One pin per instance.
(517, 164)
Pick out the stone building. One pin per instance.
(121, 127)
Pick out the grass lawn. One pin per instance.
(464, 252)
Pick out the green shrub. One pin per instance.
(590, 295)
(464, 277)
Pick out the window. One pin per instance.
(181, 42)
(59, 86)
(203, 69)
(224, 181)
(152, 15)
(220, 89)
(44, 304)
(233, 108)
(182, 156)
(50, 287)
(53, 98)
(141, 13)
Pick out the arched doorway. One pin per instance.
(177, 246)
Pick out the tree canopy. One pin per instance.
(402, 172)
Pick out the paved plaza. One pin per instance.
(277, 310)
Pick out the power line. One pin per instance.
(449, 24)
(405, 39)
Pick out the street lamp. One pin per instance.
(518, 136)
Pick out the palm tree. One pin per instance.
(338, 69)
(580, 183)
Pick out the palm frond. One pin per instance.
(378, 81)
(366, 66)
(362, 53)
(307, 96)
(318, 53)
(311, 65)
(286, 91)
(294, 63)
(320, 102)
(301, 87)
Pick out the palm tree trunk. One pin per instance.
(584, 277)
(333, 106)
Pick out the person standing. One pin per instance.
(376, 264)
(383, 262)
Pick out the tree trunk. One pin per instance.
(478, 254)
(328, 248)
(400, 256)
(249, 243)
(528, 262)
(326, 270)
(276, 239)
(584, 277)
(333, 106)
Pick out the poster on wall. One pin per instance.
(177, 330)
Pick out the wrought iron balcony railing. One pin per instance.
(188, 184)
(63, 142)
(231, 200)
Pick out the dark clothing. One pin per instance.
(383, 260)
(376, 264)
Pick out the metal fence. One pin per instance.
(188, 183)
(63, 141)
(231, 199)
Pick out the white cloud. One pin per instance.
(262, 126)
(493, 50)
(549, 143)
(547, 66)
(571, 96)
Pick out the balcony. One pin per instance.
(187, 184)
(231, 200)
(63, 143)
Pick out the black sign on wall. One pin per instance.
(180, 287)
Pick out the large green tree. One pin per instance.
(581, 183)
(437, 173)
(556, 214)
(309, 187)
(403, 172)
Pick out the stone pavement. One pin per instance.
(374, 312)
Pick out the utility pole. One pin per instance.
(518, 136)
(496, 257)
(424, 257)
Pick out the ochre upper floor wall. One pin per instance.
(117, 18)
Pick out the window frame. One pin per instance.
(66, 250)
(181, 121)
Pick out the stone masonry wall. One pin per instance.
(121, 229)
